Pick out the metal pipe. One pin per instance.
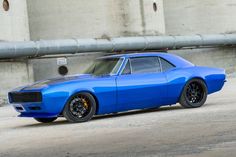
(71, 46)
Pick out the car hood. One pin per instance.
(49, 82)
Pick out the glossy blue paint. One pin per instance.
(118, 92)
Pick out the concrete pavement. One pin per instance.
(168, 131)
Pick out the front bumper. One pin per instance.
(37, 110)
(51, 106)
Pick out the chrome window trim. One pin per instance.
(117, 73)
(159, 60)
(121, 68)
(124, 65)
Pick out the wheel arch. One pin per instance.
(95, 98)
(199, 78)
(83, 91)
(192, 78)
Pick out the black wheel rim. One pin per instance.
(194, 93)
(79, 106)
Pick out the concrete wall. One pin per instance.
(53, 19)
(213, 57)
(89, 19)
(14, 22)
(188, 17)
(199, 17)
(14, 74)
(14, 27)
(45, 68)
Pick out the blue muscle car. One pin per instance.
(119, 83)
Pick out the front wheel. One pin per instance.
(45, 120)
(194, 94)
(80, 108)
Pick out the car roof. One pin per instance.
(172, 58)
(130, 55)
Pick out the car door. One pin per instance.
(141, 84)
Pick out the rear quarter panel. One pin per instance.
(178, 77)
(214, 77)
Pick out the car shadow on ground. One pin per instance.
(103, 117)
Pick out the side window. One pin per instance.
(166, 65)
(145, 65)
(127, 69)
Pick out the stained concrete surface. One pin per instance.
(14, 22)
(87, 19)
(168, 131)
(187, 17)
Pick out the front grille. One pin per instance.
(25, 97)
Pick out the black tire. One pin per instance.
(194, 94)
(77, 110)
(45, 120)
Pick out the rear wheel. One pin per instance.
(194, 94)
(80, 108)
(45, 120)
